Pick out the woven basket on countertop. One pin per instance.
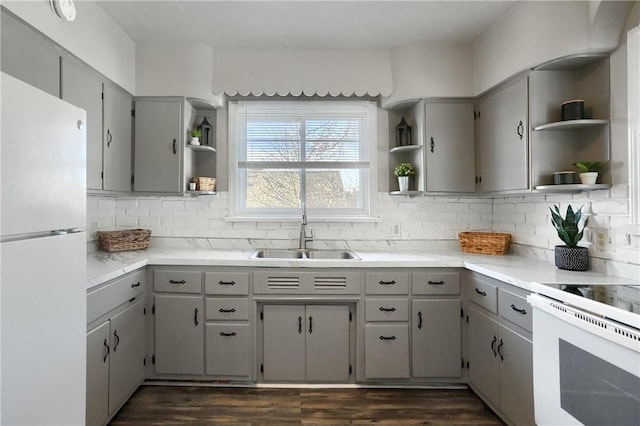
(130, 239)
(494, 243)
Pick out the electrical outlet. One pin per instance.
(604, 240)
(394, 229)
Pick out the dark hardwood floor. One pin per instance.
(178, 405)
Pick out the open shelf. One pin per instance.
(578, 187)
(405, 148)
(409, 193)
(201, 148)
(571, 124)
(199, 193)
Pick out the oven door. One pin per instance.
(586, 369)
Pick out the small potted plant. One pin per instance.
(570, 256)
(589, 171)
(403, 171)
(195, 136)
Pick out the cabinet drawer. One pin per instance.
(514, 308)
(228, 350)
(483, 294)
(386, 310)
(386, 351)
(230, 283)
(114, 294)
(387, 283)
(235, 308)
(435, 283)
(177, 281)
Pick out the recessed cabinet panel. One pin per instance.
(98, 352)
(516, 377)
(177, 281)
(159, 146)
(449, 147)
(327, 346)
(387, 309)
(116, 146)
(179, 336)
(226, 283)
(83, 88)
(228, 350)
(514, 308)
(227, 308)
(387, 283)
(483, 294)
(284, 343)
(386, 351)
(436, 338)
(504, 129)
(483, 355)
(430, 283)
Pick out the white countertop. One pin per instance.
(517, 270)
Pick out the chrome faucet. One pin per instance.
(304, 238)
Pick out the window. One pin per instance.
(284, 153)
(633, 91)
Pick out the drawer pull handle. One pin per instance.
(177, 282)
(299, 325)
(520, 130)
(310, 324)
(383, 309)
(481, 293)
(387, 338)
(493, 345)
(134, 285)
(392, 282)
(195, 316)
(522, 311)
(500, 350)
(419, 320)
(227, 282)
(226, 311)
(132, 299)
(106, 351)
(435, 282)
(115, 345)
(223, 334)
(173, 146)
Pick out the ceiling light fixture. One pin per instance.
(65, 10)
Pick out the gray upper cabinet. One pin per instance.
(83, 88)
(449, 147)
(29, 56)
(116, 146)
(159, 145)
(503, 145)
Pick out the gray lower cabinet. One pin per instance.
(28, 56)
(499, 345)
(504, 134)
(309, 343)
(115, 362)
(228, 350)
(179, 334)
(386, 349)
(436, 338)
(159, 145)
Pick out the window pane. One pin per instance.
(332, 140)
(273, 141)
(273, 188)
(333, 188)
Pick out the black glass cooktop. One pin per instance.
(619, 296)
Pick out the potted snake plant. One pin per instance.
(569, 256)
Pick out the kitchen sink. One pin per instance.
(325, 254)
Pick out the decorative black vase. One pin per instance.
(572, 258)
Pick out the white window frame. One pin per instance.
(633, 90)
(368, 212)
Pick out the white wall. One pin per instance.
(93, 37)
(302, 71)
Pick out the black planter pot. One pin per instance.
(572, 258)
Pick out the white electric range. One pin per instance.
(586, 354)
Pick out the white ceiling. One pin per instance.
(306, 23)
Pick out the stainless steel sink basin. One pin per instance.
(326, 254)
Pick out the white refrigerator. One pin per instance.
(42, 258)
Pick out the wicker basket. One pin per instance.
(494, 243)
(130, 239)
(204, 183)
